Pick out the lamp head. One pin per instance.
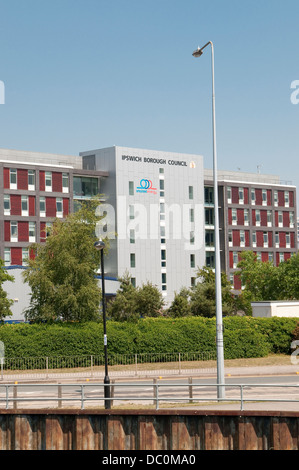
(198, 52)
(99, 245)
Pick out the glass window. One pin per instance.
(191, 215)
(257, 217)
(132, 236)
(242, 238)
(234, 216)
(209, 195)
(85, 187)
(229, 194)
(163, 255)
(131, 212)
(7, 258)
(264, 197)
(25, 255)
(253, 238)
(13, 231)
(192, 261)
(253, 196)
(190, 192)
(24, 202)
(133, 281)
(65, 182)
(32, 231)
(286, 198)
(241, 195)
(192, 238)
(6, 204)
(48, 179)
(275, 198)
(59, 208)
(13, 178)
(42, 206)
(265, 238)
(246, 216)
(131, 188)
(132, 260)
(31, 179)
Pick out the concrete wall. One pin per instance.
(275, 309)
(167, 430)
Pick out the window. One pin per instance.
(280, 219)
(162, 234)
(85, 187)
(131, 212)
(265, 239)
(193, 281)
(59, 207)
(269, 218)
(242, 238)
(270, 257)
(287, 199)
(25, 255)
(257, 218)
(235, 259)
(254, 239)
(7, 257)
(6, 204)
(13, 231)
(163, 258)
(281, 257)
(163, 276)
(131, 188)
(288, 240)
(162, 211)
(209, 196)
(246, 216)
(42, 206)
(132, 236)
(229, 194)
(191, 238)
(31, 180)
(253, 196)
(190, 192)
(291, 223)
(65, 182)
(277, 239)
(132, 260)
(209, 238)
(234, 216)
(162, 187)
(210, 259)
(209, 216)
(48, 179)
(24, 202)
(230, 238)
(161, 171)
(192, 261)
(258, 256)
(275, 196)
(133, 281)
(264, 197)
(241, 195)
(32, 232)
(191, 215)
(13, 178)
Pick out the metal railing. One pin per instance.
(13, 394)
(93, 365)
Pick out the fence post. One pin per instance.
(59, 396)
(190, 390)
(15, 396)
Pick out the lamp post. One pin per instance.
(219, 326)
(100, 245)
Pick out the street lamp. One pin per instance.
(100, 245)
(219, 326)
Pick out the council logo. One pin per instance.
(146, 186)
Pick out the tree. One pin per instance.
(124, 306)
(5, 302)
(149, 301)
(62, 272)
(180, 306)
(132, 303)
(203, 295)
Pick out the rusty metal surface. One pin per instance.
(148, 430)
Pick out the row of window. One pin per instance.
(16, 256)
(261, 239)
(261, 197)
(16, 231)
(26, 179)
(261, 256)
(259, 218)
(25, 206)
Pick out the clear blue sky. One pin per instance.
(84, 74)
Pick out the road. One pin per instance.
(199, 393)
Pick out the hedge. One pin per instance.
(243, 337)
